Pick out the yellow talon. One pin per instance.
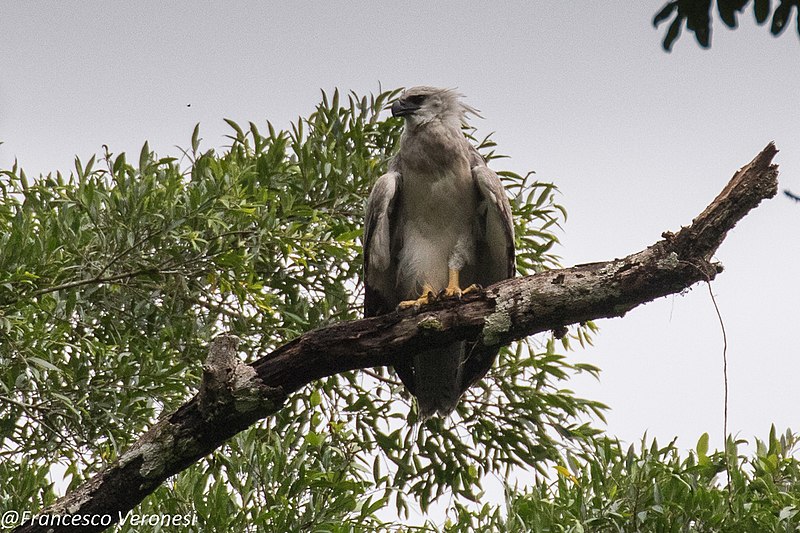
(426, 298)
(472, 288)
(453, 290)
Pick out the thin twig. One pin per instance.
(724, 380)
(725, 386)
(95, 279)
(379, 377)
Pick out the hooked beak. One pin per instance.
(402, 108)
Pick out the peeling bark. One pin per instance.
(234, 395)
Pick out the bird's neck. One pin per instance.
(450, 121)
(434, 135)
(434, 149)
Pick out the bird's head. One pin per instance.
(420, 105)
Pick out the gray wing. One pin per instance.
(495, 253)
(381, 245)
(496, 240)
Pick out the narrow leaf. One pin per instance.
(196, 138)
(761, 9)
(665, 12)
(672, 33)
(144, 156)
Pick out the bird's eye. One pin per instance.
(417, 99)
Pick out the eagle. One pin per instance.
(438, 224)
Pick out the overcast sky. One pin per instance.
(638, 141)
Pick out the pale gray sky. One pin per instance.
(638, 140)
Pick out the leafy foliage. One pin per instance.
(655, 489)
(114, 278)
(696, 16)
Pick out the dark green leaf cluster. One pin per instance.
(696, 16)
(114, 278)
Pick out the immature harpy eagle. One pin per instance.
(436, 222)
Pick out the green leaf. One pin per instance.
(43, 364)
(702, 448)
(237, 129)
(196, 138)
(315, 399)
(144, 157)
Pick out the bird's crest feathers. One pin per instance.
(439, 103)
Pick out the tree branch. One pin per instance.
(234, 395)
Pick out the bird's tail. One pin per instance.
(437, 378)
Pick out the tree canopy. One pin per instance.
(114, 278)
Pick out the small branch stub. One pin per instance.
(230, 383)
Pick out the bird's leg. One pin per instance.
(453, 289)
(427, 297)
